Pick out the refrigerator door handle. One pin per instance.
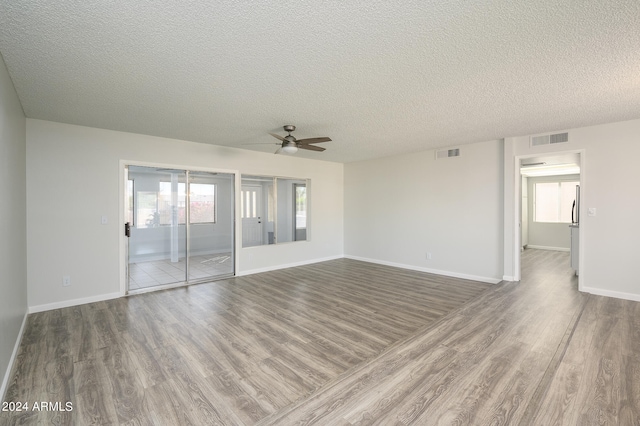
(573, 209)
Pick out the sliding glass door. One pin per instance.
(211, 225)
(179, 225)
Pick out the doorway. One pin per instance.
(547, 188)
(179, 227)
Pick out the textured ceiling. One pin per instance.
(378, 77)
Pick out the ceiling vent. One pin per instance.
(446, 153)
(549, 139)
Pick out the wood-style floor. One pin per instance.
(230, 352)
(340, 343)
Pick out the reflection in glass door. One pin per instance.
(300, 211)
(180, 226)
(251, 214)
(211, 225)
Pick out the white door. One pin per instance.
(251, 212)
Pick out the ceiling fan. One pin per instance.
(290, 144)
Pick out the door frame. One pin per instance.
(517, 212)
(123, 243)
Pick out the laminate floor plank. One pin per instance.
(559, 395)
(284, 301)
(480, 386)
(394, 389)
(507, 405)
(470, 394)
(95, 405)
(325, 407)
(364, 321)
(361, 342)
(342, 342)
(127, 389)
(599, 390)
(167, 407)
(196, 391)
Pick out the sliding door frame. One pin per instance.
(122, 239)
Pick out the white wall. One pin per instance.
(13, 249)
(73, 178)
(608, 241)
(399, 208)
(552, 236)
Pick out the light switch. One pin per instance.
(591, 211)
(103, 220)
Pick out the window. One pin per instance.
(249, 203)
(274, 210)
(147, 210)
(155, 208)
(202, 203)
(300, 194)
(553, 201)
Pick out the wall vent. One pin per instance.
(445, 153)
(549, 139)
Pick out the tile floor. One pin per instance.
(162, 272)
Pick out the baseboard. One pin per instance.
(14, 354)
(508, 278)
(548, 248)
(102, 297)
(615, 294)
(286, 265)
(431, 271)
(74, 302)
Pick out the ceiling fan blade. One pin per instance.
(278, 137)
(311, 147)
(314, 140)
(278, 151)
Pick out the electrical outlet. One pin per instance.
(66, 281)
(428, 255)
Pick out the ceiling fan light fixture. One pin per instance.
(290, 148)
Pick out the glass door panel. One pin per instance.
(300, 211)
(157, 229)
(211, 225)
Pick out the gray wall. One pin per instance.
(13, 247)
(398, 209)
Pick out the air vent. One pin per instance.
(445, 153)
(549, 139)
